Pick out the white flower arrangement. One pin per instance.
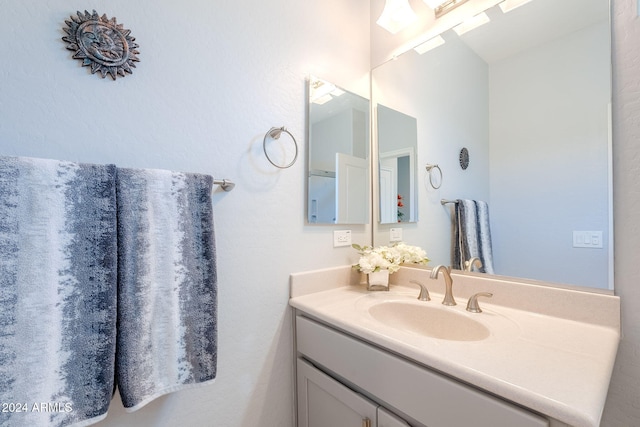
(388, 257)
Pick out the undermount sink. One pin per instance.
(435, 322)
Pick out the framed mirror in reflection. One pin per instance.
(338, 177)
(397, 159)
(528, 94)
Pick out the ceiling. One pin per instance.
(532, 24)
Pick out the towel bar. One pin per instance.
(445, 201)
(226, 184)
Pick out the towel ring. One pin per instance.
(430, 168)
(275, 133)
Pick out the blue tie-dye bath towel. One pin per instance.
(57, 291)
(167, 293)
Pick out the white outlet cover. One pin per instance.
(341, 238)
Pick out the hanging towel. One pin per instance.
(472, 235)
(57, 292)
(167, 296)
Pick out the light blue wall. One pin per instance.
(550, 158)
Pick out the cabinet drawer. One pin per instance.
(428, 397)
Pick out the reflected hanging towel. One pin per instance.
(57, 292)
(167, 296)
(472, 235)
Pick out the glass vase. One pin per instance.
(378, 280)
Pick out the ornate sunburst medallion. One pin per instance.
(101, 43)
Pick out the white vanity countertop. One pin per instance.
(558, 367)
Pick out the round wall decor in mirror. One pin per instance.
(464, 158)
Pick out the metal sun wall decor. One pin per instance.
(101, 43)
(464, 158)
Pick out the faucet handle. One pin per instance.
(424, 292)
(472, 304)
(468, 265)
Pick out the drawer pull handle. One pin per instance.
(366, 422)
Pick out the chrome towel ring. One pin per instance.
(275, 133)
(430, 169)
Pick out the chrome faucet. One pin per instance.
(424, 293)
(446, 271)
(468, 265)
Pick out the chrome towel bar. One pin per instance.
(227, 185)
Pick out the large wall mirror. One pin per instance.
(339, 161)
(528, 96)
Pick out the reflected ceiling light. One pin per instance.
(471, 23)
(429, 44)
(509, 5)
(323, 91)
(396, 15)
(440, 7)
(337, 91)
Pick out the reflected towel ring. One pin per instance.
(275, 133)
(430, 168)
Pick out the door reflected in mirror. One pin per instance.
(528, 94)
(338, 178)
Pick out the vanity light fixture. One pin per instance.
(471, 23)
(396, 15)
(509, 5)
(429, 44)
(441, 7)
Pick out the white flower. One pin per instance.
(388, 258)
(411, 254)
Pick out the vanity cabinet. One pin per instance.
(323, 402)
(329, 360)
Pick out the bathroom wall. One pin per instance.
(213, 78)
(623, 404)
(549, 135)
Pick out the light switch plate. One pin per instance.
(341, 238)
(395, 235)
(587, 239)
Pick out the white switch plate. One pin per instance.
(341, 238)
(587, 239)
(395, 235)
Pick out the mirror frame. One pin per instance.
(350, 206)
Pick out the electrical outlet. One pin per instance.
(341, 238)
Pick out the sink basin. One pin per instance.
(435, 322)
